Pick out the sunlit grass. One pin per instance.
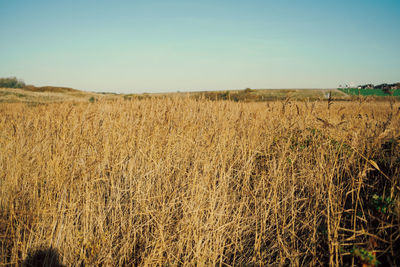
(175, 181)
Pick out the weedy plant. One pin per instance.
(382, 204)
(182, 182)
(366, 258)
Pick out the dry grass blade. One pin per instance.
(325, 123)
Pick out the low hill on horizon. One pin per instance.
(57, 89)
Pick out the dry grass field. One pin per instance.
(39, 95)
(184, 182)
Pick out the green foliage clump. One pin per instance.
(382, 204)
(365, 256)
(11, 82)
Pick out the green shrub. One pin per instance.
(365, 257)
(11, 82)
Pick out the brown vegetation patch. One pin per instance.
(49, 89)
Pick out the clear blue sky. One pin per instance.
(170, 45)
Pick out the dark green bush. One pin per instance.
(11, 82)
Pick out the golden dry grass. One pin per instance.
(177, 181)
(40, 95)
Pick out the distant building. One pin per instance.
(394, 86)
(383, 86)
(366, 86)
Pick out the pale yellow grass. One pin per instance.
(176, 181)
(14, 95)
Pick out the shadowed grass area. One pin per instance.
(48, 257)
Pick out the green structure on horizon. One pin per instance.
(369, 92)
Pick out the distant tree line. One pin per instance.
(11, 82)
(382, 86)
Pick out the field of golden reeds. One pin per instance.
(184, 182)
